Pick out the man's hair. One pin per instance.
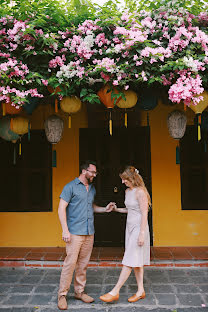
(86, 164)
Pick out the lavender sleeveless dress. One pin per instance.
(135, 256)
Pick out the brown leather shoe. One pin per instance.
(62, 303)
(84, 297)
(109, 298)
(135, 298)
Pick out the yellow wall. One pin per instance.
(171, 225)
(43, 229)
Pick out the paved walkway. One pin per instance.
(167, 289)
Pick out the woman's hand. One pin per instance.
(110, 207)
(141, 239)
(115, 208)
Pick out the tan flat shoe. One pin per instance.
(135, 298)
(109, 298)
(62, 303)
(84, 297)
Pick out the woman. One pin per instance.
(137, 242)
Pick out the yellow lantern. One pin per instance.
(70, 105)
(198, 109)
(21, 126)
(129, 102)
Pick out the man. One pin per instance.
(76, 213)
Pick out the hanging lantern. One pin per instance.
(105, 97)
(204, 127)
(70, 105)
(129, 102)
(198, 109)
(8, 108)
(7, 134)
(19, 125)
(31, 105)
(147, 101)
(54, 126)
(54, 91)
(177, 126)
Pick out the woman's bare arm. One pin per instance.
(143, 204)
(121, 210)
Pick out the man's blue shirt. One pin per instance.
(79, 212)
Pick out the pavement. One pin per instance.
(167, 290)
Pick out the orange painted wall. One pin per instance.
(171, 225)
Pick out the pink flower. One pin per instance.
(104, 76)
(144, 76)
(115, 82)
(138, 63)
(44, 82)
(186, 88)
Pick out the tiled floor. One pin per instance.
(167, 290)
(105, 255)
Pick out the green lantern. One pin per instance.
(7, 134)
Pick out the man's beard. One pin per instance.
(89, 180)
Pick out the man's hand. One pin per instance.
(110, 207)
(66, 236)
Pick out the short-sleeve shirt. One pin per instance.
(79, 212)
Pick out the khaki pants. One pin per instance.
(78, 252)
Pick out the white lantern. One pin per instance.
(54, 126)
(177, 124)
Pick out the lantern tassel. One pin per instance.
(199, 132)
(3, 109)
(110, 125)
(69, 121)
(147, 119)
(199, 126)
(199, 119)
(125, 120)
(177, 155)
(56, 106)
(29, 126)
(54, 159)
(14, 156)
(20, 148)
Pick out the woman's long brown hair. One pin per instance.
(132, 175)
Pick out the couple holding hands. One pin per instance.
(76, 213)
